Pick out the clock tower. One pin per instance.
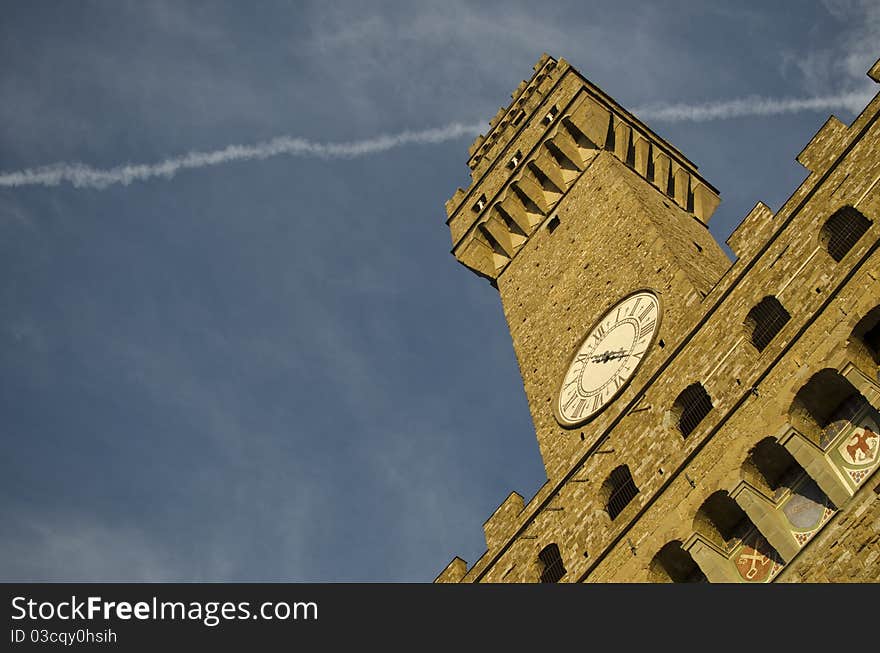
(699, 419)
(594, 230)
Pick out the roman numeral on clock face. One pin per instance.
(635, 306)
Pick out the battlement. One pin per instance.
(525, 97)
(536, 150)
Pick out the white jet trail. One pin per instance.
(752, 106)
(81, 175)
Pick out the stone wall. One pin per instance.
(614, 230)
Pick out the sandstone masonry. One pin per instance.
(744, 446)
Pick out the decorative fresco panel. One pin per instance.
(803, 537)
(855, 448)
(755, 560)
(807, 509)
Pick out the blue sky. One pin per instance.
(273, 369)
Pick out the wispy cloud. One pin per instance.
(81, 175)
(61, 548)
(840, 63)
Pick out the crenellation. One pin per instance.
(497, 117)
(547, 71)
(495, 180)
(874, 72)
(752, 231)
(827, 142)
(454, 571)
(501, 524)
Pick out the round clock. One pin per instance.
(608, 357)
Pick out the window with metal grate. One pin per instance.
(554, 570)
(691, 406)
(842, 230)
(765, 320)
(623, 490)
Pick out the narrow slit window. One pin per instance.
(515, 160)
(551, 115)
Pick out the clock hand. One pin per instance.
(609, 356)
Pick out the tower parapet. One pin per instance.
(538, 147)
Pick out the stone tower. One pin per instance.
(698, 419)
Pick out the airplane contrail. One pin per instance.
(752, 106)
(81, 175)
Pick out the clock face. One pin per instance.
(608, 357)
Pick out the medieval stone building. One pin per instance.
(699, 420)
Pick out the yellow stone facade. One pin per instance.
(744, 447)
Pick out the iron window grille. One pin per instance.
(694, 404)
(554, 569)
(842, 230)
(623, 490)
(766, 319)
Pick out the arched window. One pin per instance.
(721, 521)
(691, 406)
(823, 405)
(554, 570)
(673, 564)
(842, 230)
(765, 320)
(864, 341)
(770, 467)
(619, 489)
